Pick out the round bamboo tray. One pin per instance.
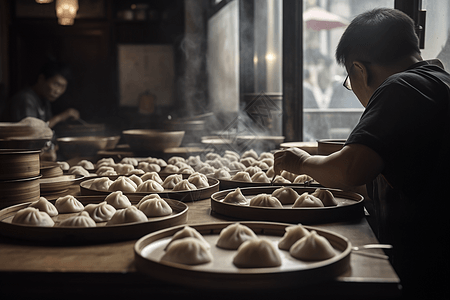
(19, 191)
(220, 273)
(100, 233)
(350, 206)
(19, 164)
(192, 195)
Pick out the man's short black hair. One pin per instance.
(52, 68)
(381, 36)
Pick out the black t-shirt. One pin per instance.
(407, 123)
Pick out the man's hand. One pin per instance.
(290, 160)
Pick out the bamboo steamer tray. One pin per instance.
(50, 169)
(220, 273)
(193, 195)
(101, 233)
(350, 206)
(19, 191)
(59, 183)
(226, 184)
(19, 164)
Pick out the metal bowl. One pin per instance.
(152, 139)
(81, 146)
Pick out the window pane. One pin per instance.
(330, 110)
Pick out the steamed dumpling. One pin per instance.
(130, 214)
(250, 153)
(312, 247)
(123, 169)
(199, 181)
(101, 184)
(288, 175)
(236, 197)
(270, 173)
(252, 170)
(188, 231)
(265, 200)
(105, 171)
(325, 196)
(64, 165)
(172, 180)
(286, 195)
(78, 170)
(81, 220)
(237, 166)
(257, 253)
(32, 216)
(153, 176)
(146, 197)
(184, 185)
(260, 177)
(222, 173)
(154, 207)
(302, 178)
(150, 186)
(106, 161)
(68, 204)
(136, 172)
(248, 161)
(123, 184)
(118, 200)
(232, 236)
(44, 205)
(130, 161)
(86, 164)
(136, 179)
(174, 159)
(280, 179)
(171, 169)
(187, 251)
(307, 200)
(149, 167)
(242, 176)
(292, 235)
(101, 212)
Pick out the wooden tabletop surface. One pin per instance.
(108, 271)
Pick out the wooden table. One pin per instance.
(107, 271)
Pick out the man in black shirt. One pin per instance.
(399, 149)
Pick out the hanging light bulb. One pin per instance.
(66, 10)
(44, 1)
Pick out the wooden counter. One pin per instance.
(107, 271)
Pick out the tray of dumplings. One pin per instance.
(183, 187)
(243, 255)
(292, 204)
(71, 219)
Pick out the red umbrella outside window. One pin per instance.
(317, 18)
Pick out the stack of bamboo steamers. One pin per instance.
(19, 176)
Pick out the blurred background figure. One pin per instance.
(35, 101)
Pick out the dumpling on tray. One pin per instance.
(257, 253)
(265, 200)
(188, 231)
(153, 176)
(44, 205)
(198, 180)
(171, 181)
(187, 251)
(127, 215)
(118, 200)
(242, 176)
(68, 204)
(325, 196)
(260, 177)
(286, 195)
(155, 207)
(101, 184)
(100, 212)
(124, 184)
(150, 186)
(236, 197)
(32, 216)
(292, 235)
(136, 179)
(307, 200)
(232, 236)
(81, 220)
(312, 247)
(302, 178)
(184, 185)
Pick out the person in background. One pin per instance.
(35, 101)
(399, 150)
